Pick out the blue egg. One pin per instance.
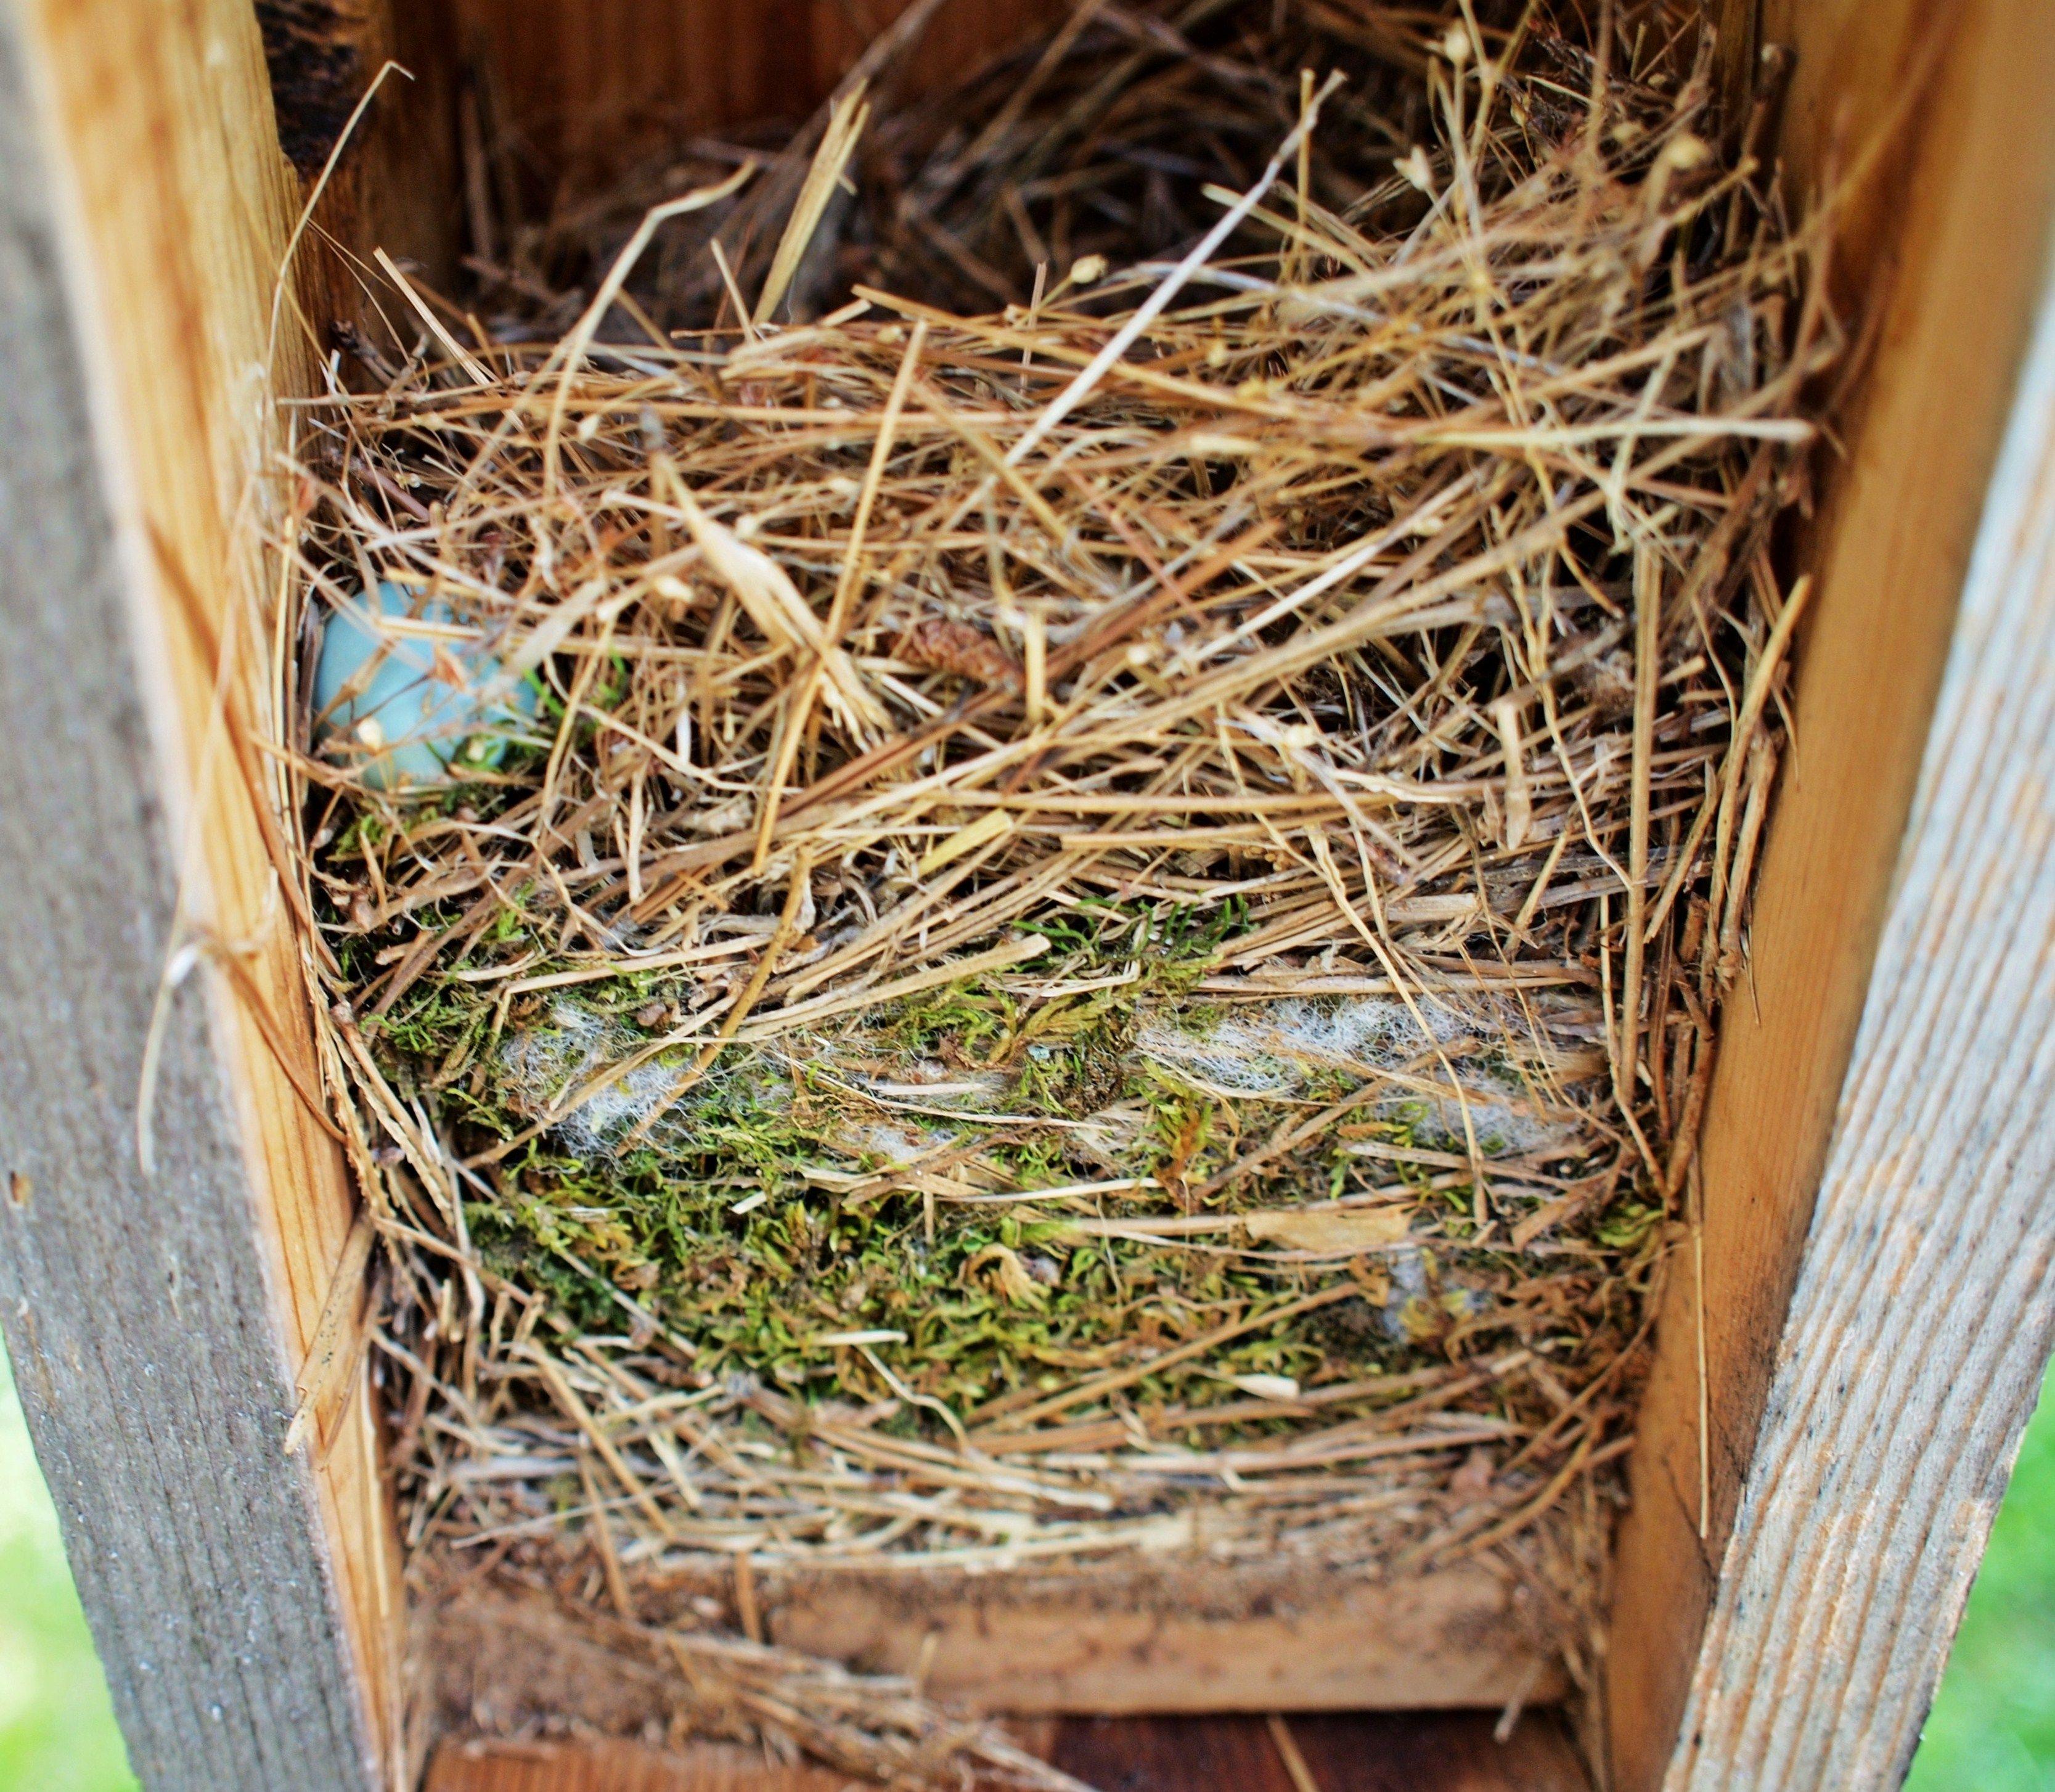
(385, 702)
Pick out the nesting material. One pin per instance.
(1108, 934)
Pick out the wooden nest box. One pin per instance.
(1850, 1341)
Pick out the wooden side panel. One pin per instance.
(1454, 1638)
(501, 1659)
(1949, 239)
(159, 1311)
(1925, 1311)
(393, 181)
(569, 72)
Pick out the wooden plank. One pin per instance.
(1925, 1309)
(1107, 1638)
(1208, 1639)
(572, 74)
(394, 181)
(1387, 1752)
(1949, 243)
(243, 1603)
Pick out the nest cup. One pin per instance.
(1153, 683)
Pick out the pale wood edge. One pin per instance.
(246, 1606)
(1925, 1308)
(1950, 246)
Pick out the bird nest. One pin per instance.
(1096, 744)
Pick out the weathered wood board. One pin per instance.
(159, 1312)
(1176, 1637)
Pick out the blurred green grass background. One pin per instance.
(1992, 1730)
(1993, 1727)
(56, 1728)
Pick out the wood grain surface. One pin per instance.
(500, 1659)
(159, 1312)
(1925, 1310)
(1942, 249)
(1388, 1752)
(570, 73)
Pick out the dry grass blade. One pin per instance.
(838, 145)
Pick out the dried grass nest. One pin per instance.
(1106, 934)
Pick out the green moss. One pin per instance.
(1627, 1225)
(818, 1188)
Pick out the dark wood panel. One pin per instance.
(1380, 1752)
(1383, 1751)
(569, 71)
(615, 1766)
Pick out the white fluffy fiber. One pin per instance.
(1271, 1049)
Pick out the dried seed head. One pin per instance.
(957, 647)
